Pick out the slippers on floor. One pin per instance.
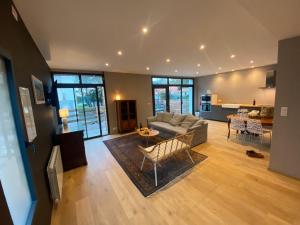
(254, 154)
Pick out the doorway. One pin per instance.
(84, 97)
(13, 174)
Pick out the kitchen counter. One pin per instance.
(220, 113)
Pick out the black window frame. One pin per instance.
(81, 85)
(166, 86)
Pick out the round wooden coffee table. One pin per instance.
(147, 135)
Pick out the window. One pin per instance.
(85, 101)
(158, 80)
(91, 79)
(188, 81)
(66, 78)
(173, 95)
(174, 81)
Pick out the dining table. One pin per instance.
(265, 121)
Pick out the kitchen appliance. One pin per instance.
(207, 100)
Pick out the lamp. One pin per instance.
(63, 114)
(118, 97)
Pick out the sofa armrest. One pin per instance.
(151, 119)
(200, 133)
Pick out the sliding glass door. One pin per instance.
(173, 95)
(160, 99)
(85, 101)
(175, 99)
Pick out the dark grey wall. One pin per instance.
(17, 44)
(285, 148)
(237, 87)
(128, 86)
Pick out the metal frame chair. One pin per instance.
(238, 124)
(165, 149)
(255, 127)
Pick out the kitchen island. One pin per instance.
(220, 112)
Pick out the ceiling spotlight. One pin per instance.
(197, 72)
(145, 30)
(168, 60)
(232, 56)
(220, 68)
(198, 65)
(251, 61)
(176, 71)
(232, 70)
(106, 64)
(120, 52)
(147, 68)
(202, 47)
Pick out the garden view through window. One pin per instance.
(173, 94)
(84, 97)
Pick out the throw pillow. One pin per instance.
(167, 117)
(189, 121)
(198, 123)
(176, 120)
(159, 116)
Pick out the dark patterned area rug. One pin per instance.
(126, 152)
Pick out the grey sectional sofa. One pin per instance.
(169, 124)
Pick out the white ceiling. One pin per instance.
(85, 34)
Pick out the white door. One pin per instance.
(12, 172)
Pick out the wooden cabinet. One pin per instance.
(126, 115)
(72, 147)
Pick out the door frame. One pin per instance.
(80, 85)
(20, 129)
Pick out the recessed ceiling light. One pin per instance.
(168, 60)
(198, 65)
(147, 68)
(197, 72)
(106, 64)
(232, 56)
(252, 66)
(145, 30)
(232, 70)
(120, 52)
(220, 68)
(176, 71)
(202, 47)
(251, 61)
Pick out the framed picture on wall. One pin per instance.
(38, 90)
(28, 114)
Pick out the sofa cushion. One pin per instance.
(167, 117)
(159, 116)
(189, 121)
(176, 119)
(198, 123)
(166, 127)
(164, 116)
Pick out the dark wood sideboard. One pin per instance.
(126, 115)
(72, 147)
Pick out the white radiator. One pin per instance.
(55, 174)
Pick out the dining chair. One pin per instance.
(238, 124)
(255, 127)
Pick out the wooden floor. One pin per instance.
(227, 188)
